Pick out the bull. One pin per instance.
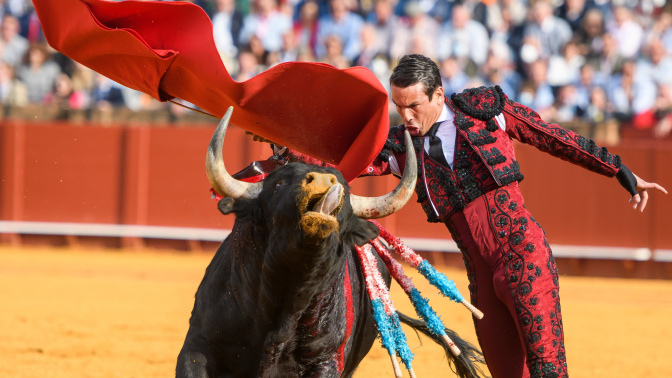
(284, 295)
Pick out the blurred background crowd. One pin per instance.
(595, 66)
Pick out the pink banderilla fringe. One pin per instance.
(406, 253)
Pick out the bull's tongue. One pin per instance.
(330, 201)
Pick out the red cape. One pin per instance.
(167, 50)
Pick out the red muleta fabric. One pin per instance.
(167, 50)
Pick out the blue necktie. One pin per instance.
(435, 147)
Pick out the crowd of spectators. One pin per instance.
(600, 64)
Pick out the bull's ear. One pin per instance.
(246, 210)
(225, 205)
(363, 231)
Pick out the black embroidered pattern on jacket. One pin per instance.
(445, 194)
(463, 122)
(481, 103)
(481, 138)
(392, 144)
(451, 190)
(491, 125)
(602, 153)
(509, 174)
(568, 144)
(493, 156)
(464, 173)
(473, 177)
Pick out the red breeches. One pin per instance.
(514, 281)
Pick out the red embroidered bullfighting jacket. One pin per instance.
(484, 155)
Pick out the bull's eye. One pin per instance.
(277, 186)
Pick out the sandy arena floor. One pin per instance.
(124, 314)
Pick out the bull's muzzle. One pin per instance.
(319, 181)
(322, 194)
(321, 200)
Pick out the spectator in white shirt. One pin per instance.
(656, 63)
(344, 24)
(226, 25)
(267, 23)
(464, 38)
(552, 32)
(15, 46)
(418, 34)
(627, 33)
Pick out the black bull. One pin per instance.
(285, 296)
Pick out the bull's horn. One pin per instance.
(379, 207)
(219, 178)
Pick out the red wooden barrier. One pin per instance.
(149, 175)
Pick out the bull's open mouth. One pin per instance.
(328, 204)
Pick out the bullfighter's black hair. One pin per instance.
(415, 68)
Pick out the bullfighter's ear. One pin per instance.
(225, 205)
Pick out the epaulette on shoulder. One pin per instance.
(482, 103)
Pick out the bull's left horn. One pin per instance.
(219, 178)
(379, 207)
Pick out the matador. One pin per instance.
(468, 180)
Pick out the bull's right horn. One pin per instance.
(219, 178)
(379, 207)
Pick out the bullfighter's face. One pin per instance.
(417, 110)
